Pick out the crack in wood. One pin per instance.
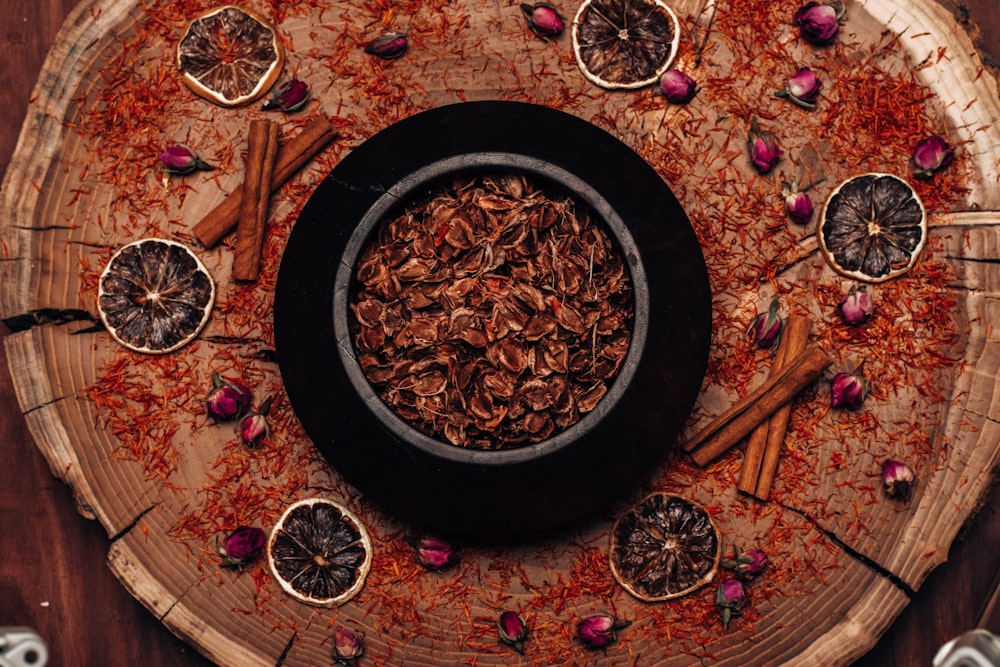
(287, 650)
(43, 316)
(867, 561)
(124, 531)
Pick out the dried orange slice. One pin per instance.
(319, 552)
(155, 295)
(625, 43)
(230, 56)
(872, 227)
(664, 547)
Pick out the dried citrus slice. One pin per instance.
(872, 227)
(664, 547)
(155, 295)
(230, 56)
(625, 43)
(319, 552)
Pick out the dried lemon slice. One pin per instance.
(319, 552)
(625, 43)
(230, 56)
(155, 295)
(872, 227)
(664, 547)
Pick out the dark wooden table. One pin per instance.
(53, 576)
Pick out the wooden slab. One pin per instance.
(844, 557)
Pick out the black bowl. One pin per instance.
(533, 487)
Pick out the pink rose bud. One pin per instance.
(253, 428)
(764, 150)
(677, 86)
(802, 88)
(849, 391)
(348, 646)
(388, 45)
(799, 207)
(242, 546)
(931, 154)
(748, 565)
(856, 308)
(227, 400)
(543, 19)
(433, 552)
(181, 160)
(599, 630)
(288, 97)
(766, 327)
(731, 597)
(898, 479)
(819, 23)
(513, 630)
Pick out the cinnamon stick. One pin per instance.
(262, 149)
(766, 441)
(299, 150)
(737, 422)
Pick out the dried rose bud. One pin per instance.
(802, 89)
(849, 390)
(227, 400)
(513, 630)
(433, 552)
(348, 646)
(748, 565)
(766, 327)
(931, 154)
(799, 207)
(242, 546)
(388, 45)
(764, 150)
(543, 19)
(898, 479)
(677, 86)
(731, 598)
(253, 428)
(599, 630)
(181, 160)
(288, 97)
(856, 308)
(819, 23)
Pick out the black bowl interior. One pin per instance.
(528, 488)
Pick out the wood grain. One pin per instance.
(37, 517)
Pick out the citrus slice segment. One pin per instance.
(155, 295)
(230, 56)
(872, 227)
(664, 547)
(319, 552)
(625, 43)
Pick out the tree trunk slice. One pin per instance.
(844, 557)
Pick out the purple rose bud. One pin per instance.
(799, 207)
(748, 565)
(182, 160)
(288, 97)
(242, 546)
(543, 19)
(253, 428)
(764, 150)
(513, 630)
(348, 646)
(227, 400)
(803, 88)
(388, 45)
(677, 86)
(898, 479)
(433, 552)
(849, 390)
(766, 327)
(731, 598)
(856, 308)
(599, 630)
(819, 23)
(931, 154)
